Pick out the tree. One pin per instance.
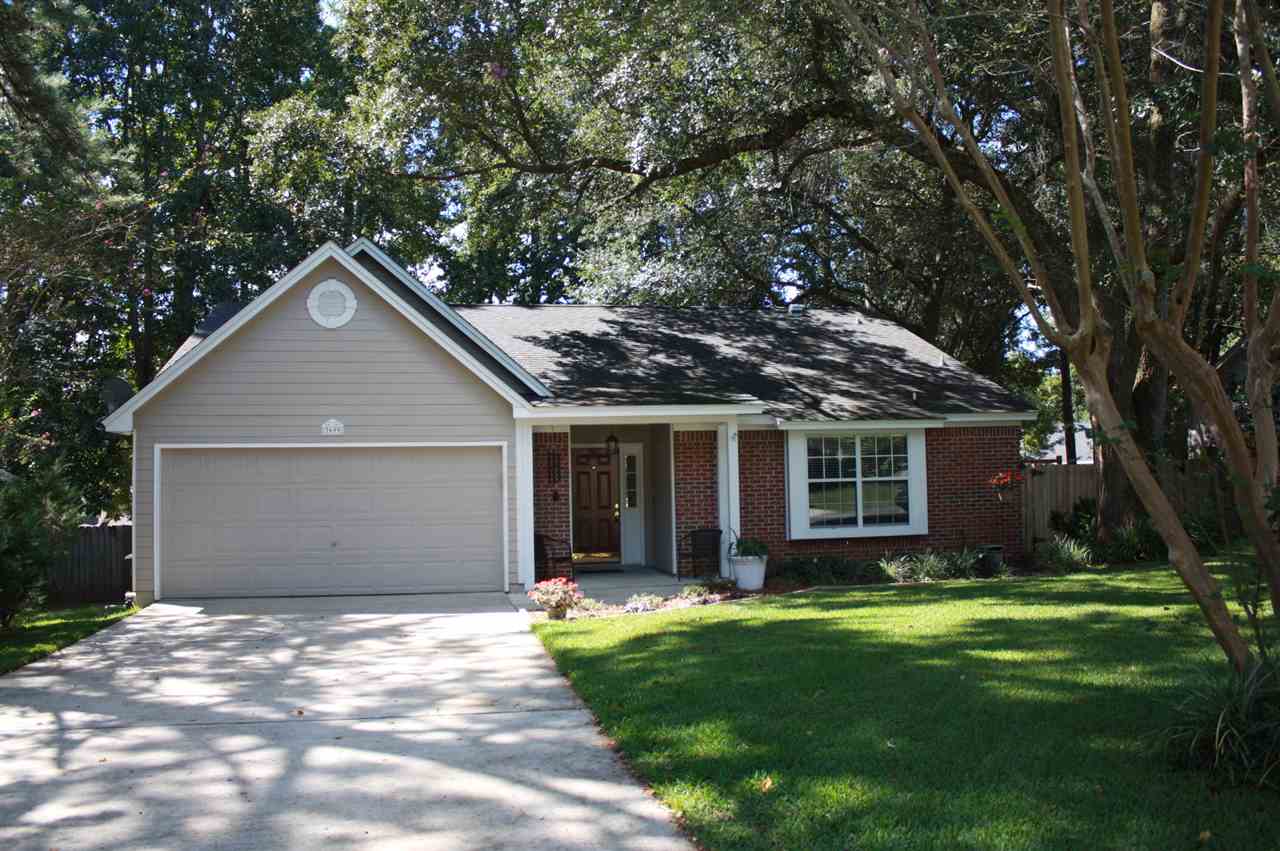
(37, 516)
(905, 50)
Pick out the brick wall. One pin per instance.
(697, 495)
(963, 509)
(551, 491)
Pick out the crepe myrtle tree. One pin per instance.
(1099, 179)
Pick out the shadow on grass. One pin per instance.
(972, 715)
(38, 634)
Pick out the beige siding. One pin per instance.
(281, 375)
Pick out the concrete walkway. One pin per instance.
(432, 722)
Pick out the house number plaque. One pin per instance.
(332, 427)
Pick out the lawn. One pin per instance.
(39, 633)
(1014, 714)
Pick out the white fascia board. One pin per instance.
(121, 420)
(857, 425)
(1025, 416)
(636, 413)
(452, 316)
(932, 422)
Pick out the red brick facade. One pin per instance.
(551, 487)
(697, 495)
(963, 509)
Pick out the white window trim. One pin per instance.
(798, 488)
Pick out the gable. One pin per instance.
(282, 375)
(335, 263)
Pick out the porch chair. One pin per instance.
(704, 552)
(552, 557)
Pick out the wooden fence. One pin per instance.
(1193, 487)
(96, 570)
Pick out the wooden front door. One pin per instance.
(595, 504)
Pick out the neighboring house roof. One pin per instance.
(815, 364)
(819, 364)
(1055, 447)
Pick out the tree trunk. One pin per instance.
(1183, 555)
(1068, 409)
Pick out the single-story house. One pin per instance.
(347, 432)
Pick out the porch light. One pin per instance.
(611, 444)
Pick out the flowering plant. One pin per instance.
(1005, 481)
(557, 596)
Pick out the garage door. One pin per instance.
(279, 522)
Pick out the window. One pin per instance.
(833, 481)
(631, 480)
(884, 469)
(845, 484)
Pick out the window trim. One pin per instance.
(798, 486)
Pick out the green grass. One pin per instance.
(39, 633)
(1015, 714)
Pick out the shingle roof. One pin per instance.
(822, 364)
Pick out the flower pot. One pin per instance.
(749, 571)
(992, 559)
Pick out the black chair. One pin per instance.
(552, 557)
(704, 552)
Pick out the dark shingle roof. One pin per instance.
(821, 364)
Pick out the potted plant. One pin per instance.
(556, 596)
(749, 557)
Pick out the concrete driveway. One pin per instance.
(371, 722)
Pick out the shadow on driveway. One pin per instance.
(432, 721)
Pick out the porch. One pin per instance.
(619, 584)
(616, 501)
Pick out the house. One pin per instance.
(1055, 446)
(347, 433)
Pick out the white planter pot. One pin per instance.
(749, 571)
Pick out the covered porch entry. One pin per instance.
(621, 496)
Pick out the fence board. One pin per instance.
(1192, 488)
(96, 569)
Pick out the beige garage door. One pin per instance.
(278, 522)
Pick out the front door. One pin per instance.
(595, 504)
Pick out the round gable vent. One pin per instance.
(331, 303)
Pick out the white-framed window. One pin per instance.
(856, 483)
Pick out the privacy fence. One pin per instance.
(1196, 487)
(97, 568)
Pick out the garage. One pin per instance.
(293, 521)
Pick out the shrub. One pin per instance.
(38, 514)
(589, 604)
(643, 603)
(1204, 530)
(831, 570)
(1137, 540)
(749, 548)
(1062, 554)
(1080, 522)
(695, 591)
(1230, 727)
(930, 566)
(557, 596)
(902, 568)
